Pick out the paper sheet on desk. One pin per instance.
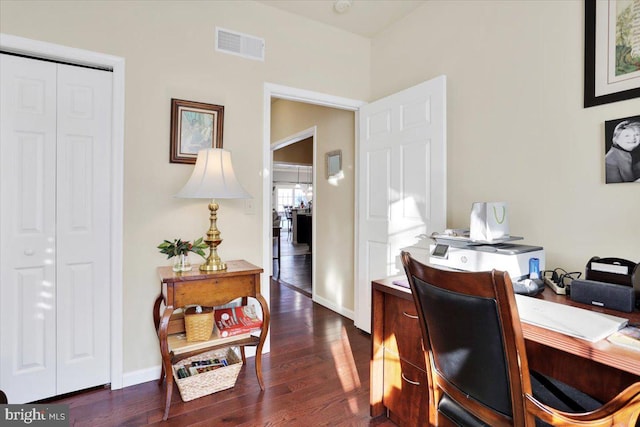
(401, 282)
(573, 321)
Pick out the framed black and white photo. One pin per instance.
(612, 51)
(622, 150)
(194, 126)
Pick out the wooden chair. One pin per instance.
(478, 373)
(289, 216)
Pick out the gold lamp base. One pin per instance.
(213, 261)
(211, 265)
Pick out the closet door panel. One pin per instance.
(27, 228)
(54, 228)
(83, 221)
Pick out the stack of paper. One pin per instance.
(627, 337)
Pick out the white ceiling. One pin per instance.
(364, 17)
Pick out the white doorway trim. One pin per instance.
(45, 50)
(292, 139)
(272, 90)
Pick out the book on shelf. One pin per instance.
(178, 343)
(200, 367)
(234, 321)
(628, 336)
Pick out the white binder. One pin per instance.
(573, 321)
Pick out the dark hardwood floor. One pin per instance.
(295, 265)
(317, 374)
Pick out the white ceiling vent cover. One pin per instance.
(239, 44)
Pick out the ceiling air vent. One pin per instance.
(239, 44)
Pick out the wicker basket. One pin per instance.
(208, 382)
(198, 326)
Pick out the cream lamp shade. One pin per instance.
(213, 178)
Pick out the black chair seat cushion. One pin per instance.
(546, 389)
(560, 396)
(457, 414)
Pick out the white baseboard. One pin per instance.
(141, 376)
(349, 314)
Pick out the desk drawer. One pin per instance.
(213, 292)
(405, 392)
(402, 333)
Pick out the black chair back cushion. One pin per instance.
(460, 326)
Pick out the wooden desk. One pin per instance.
(398, 377)
(610, 367)
(210, 289)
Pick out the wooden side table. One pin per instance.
(210, 289)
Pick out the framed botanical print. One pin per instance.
(194, 126)
(612, 51)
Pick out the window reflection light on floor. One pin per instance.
(346, 368)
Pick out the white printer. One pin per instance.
(461, 253)
(502, 256)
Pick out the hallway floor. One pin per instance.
(295, 265)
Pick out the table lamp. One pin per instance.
(213, 178)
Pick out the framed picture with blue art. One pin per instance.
(622, 150)
(194, 126)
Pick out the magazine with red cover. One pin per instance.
(236, 320)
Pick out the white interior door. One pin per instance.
(27, 229)
(54, 228)
(82, 227)
(401, 181)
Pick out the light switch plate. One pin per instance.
(249, 207)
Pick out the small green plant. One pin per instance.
(182, 247)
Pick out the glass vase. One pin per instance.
(181, 263)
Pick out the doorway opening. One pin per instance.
(332, 266)
(292, 197)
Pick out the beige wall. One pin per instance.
(169, 51)
(517, 130)
(333, 205)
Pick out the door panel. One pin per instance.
(377, 165)
(31, 327)
(401, 181)
(84, 126)
(415, 181)
(27, 228)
